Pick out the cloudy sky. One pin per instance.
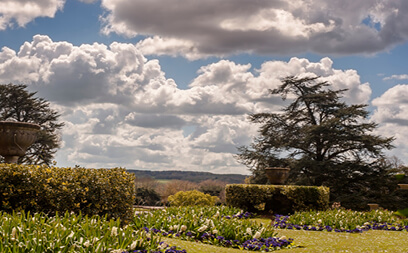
(167, 85)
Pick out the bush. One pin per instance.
(214, 188)
(279, 199)
(192, 198)
(174, 186)
(46, 189)
(147, 197)
(146, 192)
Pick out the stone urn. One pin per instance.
(15, 138)
(373, 206)
(277, 175)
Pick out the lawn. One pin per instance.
(319, 241)
(314, 241)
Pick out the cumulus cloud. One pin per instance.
(392, 116)
(22, 12)
(121, 110)
(197, 29)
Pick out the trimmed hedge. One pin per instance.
(34, 188)
(279, 199)
(192, 198)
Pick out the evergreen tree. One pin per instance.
(17, 104)
(322, 139)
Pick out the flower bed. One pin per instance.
(340, 220)
(221, 226)
(23, 232)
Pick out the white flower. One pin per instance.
(215, 231)
(13, 234)
(133, 245)
(71, 234)
(114, 231)
(257, 235)
(183, 228)
(249, 231)
(202, 229)
(319, 221)
(87, 243)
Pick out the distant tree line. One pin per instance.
(191, 176)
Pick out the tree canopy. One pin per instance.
(18, 104)
(321, 138)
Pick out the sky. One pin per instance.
(168, 85)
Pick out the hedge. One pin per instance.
(279, 199)
(192, 198)
(34, 188)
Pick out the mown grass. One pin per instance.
(315, 241)
(369, 241)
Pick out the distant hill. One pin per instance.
(192, 176)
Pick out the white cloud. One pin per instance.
(23, 12)
(392, 116)
(203, 28)
(121, 110)
(396, 77)
(88, 1)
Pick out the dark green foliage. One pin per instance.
(147, 192)
(278, 199)
(322, 139)
(147, 197)
(17, 104)
(46, 189)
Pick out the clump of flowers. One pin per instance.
(25, 232)
(222, 226)
(341, 220)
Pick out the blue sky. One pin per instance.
(147, 85)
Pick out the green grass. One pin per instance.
(312, 241)
(315, 241)
(369, 241)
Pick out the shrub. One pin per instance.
(147, 197)
(146, 192)
(214, 188)
(192, 198)
(279, 199)
(46, 189)
(175, 186)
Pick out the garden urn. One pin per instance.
(15, 138)
(277, 175)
